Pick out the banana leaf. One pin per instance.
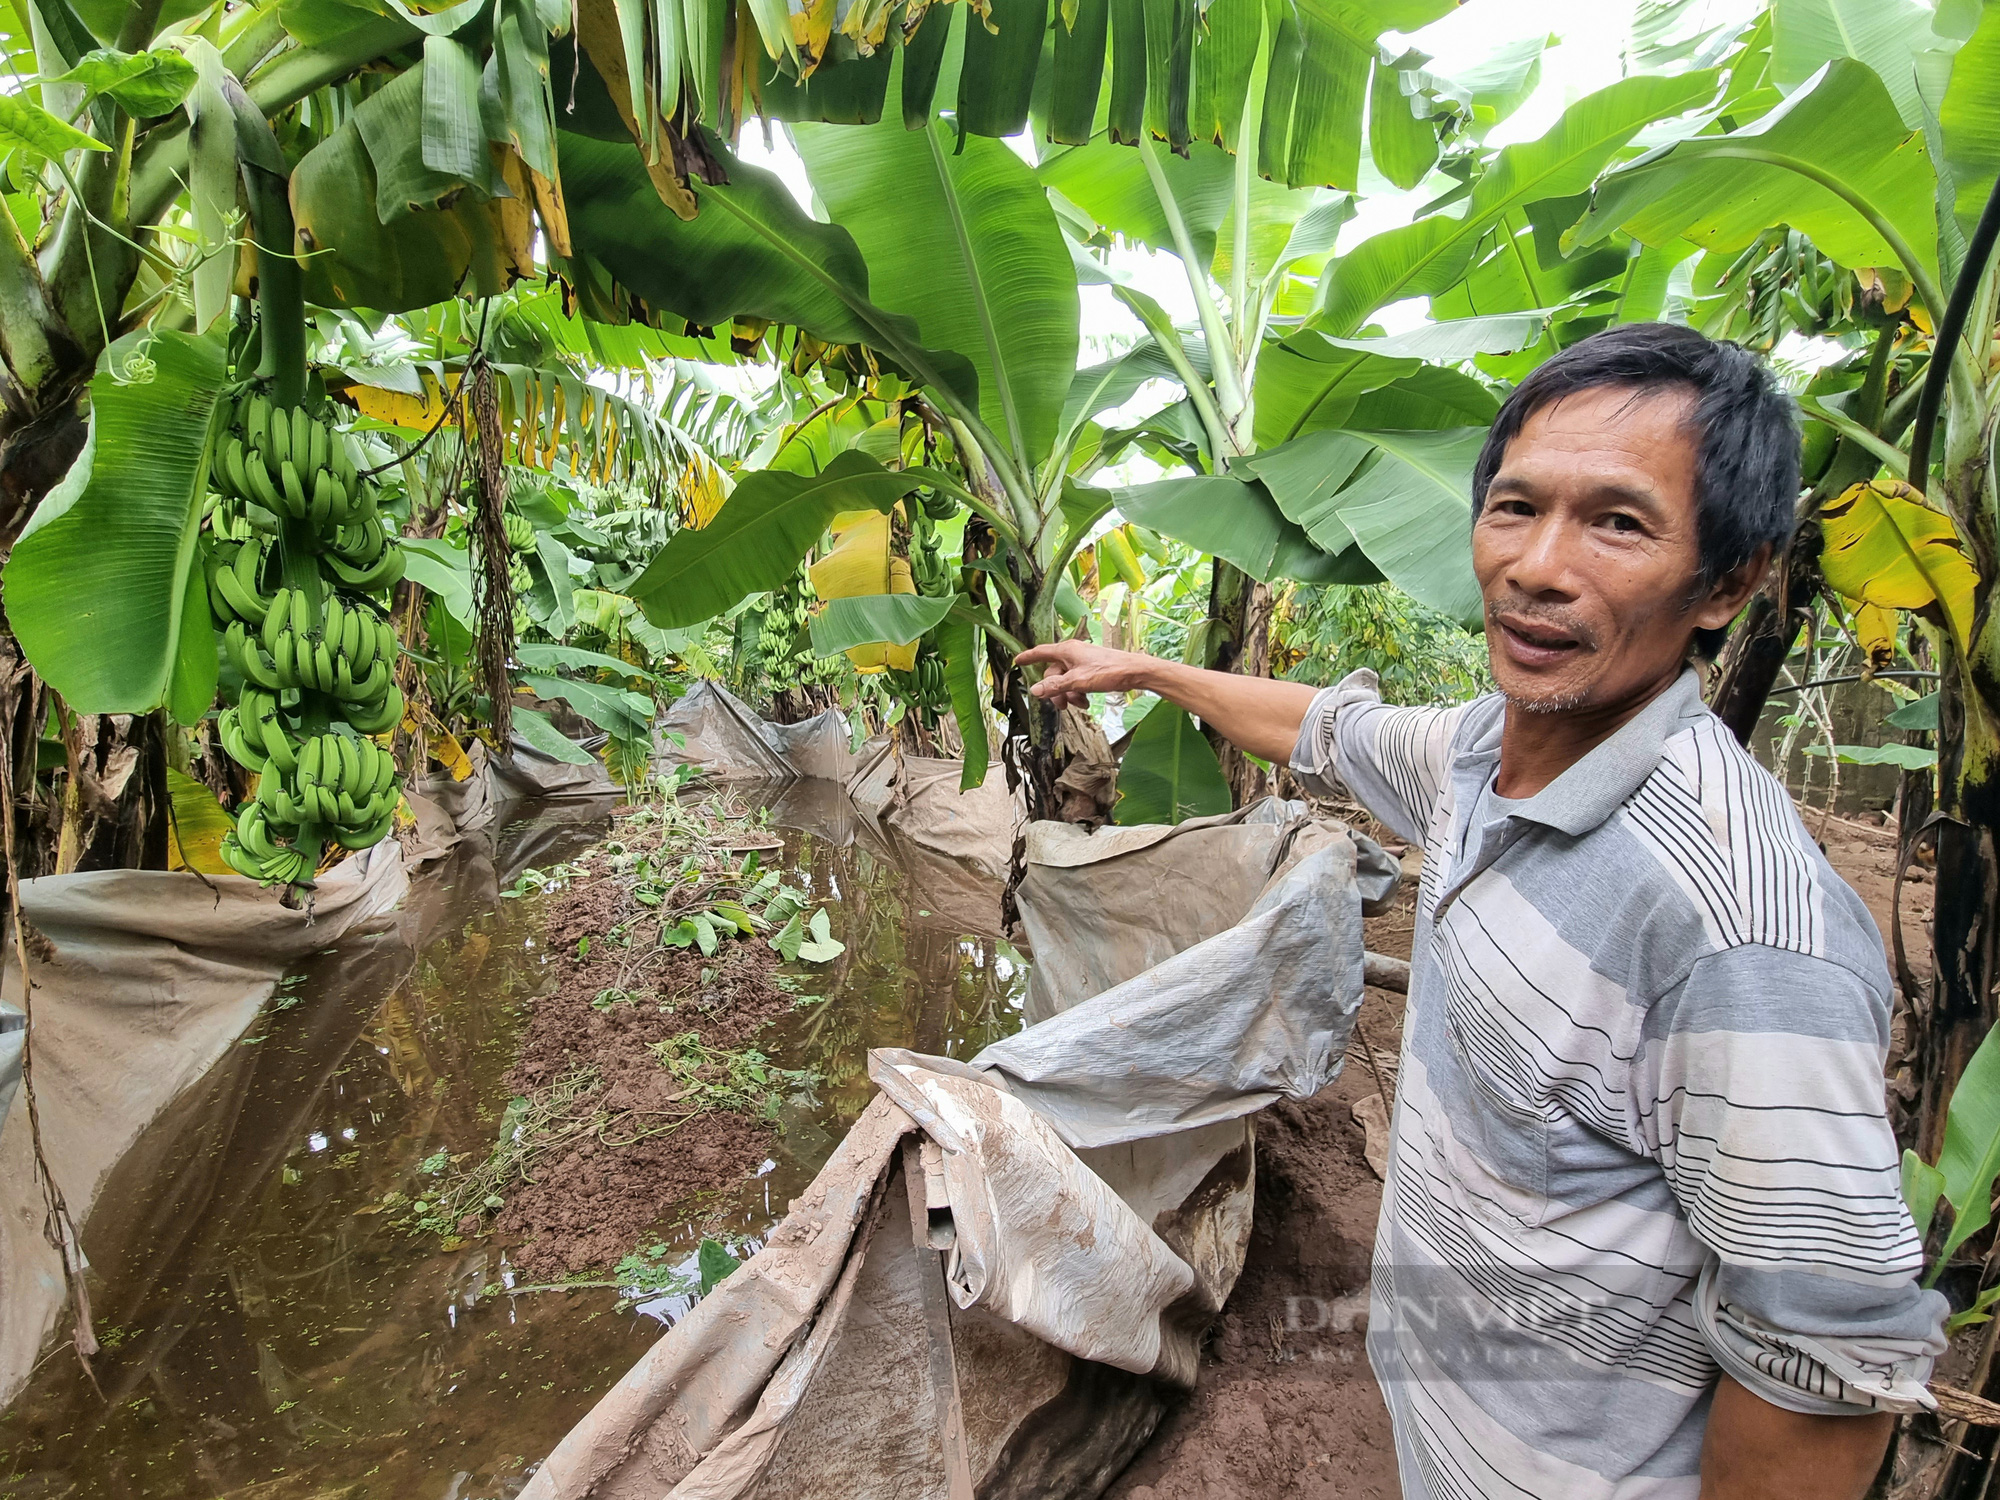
(758, 538)
(1844, 127)
(104, 588)
(1892, 37)
(959, 237)
(1169, 773)
(866, 619)
(539, 733)
(1970, 117)
(1425, 257)
(959, 639)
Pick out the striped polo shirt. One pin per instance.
(1640, 1131)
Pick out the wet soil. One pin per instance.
(271, 1333)
(590, 1202)
(1286, 1405)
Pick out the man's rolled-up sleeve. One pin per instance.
(1760, 1092)
(1392, 760)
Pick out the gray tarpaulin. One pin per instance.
(143, 980)
(915, 795)
(1000, 1272)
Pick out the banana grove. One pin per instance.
(365, 364)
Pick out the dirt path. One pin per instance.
(1286, 1405)
(643, 1084)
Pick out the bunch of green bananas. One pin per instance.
(928, 569)
(318, 676)
(347, 654)
(286, 463)
(344, 783)
(520, 532)
(938, 505)
(931, 683)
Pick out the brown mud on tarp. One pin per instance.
(591, 1199)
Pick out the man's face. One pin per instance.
(1586, 552)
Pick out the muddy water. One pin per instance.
(267, 1336)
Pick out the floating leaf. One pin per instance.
(715, 1263)
(824, 947)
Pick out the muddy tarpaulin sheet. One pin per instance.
(1005, 1266)
(143, 980)
(918, 796)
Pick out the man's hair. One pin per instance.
(1746, 480)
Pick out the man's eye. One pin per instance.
(1619, 521)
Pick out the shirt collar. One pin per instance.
(1597, 786)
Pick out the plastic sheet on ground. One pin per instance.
(1005, 1267)
(917, 796)
(143, 981)
(146, 980)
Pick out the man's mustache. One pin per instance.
(1554, 617)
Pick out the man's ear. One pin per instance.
(1726, 598)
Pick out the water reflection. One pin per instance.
(268, 1335)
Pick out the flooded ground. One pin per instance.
(267, 1335)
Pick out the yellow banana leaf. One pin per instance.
(1875, 629)
(1885, 546)
(398, 407)
(194, 835)
(858, 561)
(445, 749)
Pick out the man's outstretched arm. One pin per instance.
(1259, 715)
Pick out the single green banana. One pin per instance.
(300, 506)
(384, 573)
(245, 606)
(329, 808)
(367, 642)
(302, 615)
(302, 426)
(365, 838)
(315, 447)
(248, 564)
(332, 619)
(379, 720)
(218, 603)
(319, 504)
(278, 747)
(351, 633)
(250, 659)
(322, 667)
(385, 777)
(284, 664)
(350, 764)
(347, 814)
(263, 489)
(310, 754)
(329, 500)
(277, 617)
(257, 430)
(279, 447)
(371, 688)
(283, 806)
(230, 461)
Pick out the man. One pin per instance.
(1642, 1233)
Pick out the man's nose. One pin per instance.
(1545, 563)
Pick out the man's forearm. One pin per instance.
(1259, 715)
(1756, 1451)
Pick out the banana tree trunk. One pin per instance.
(1239, 640)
